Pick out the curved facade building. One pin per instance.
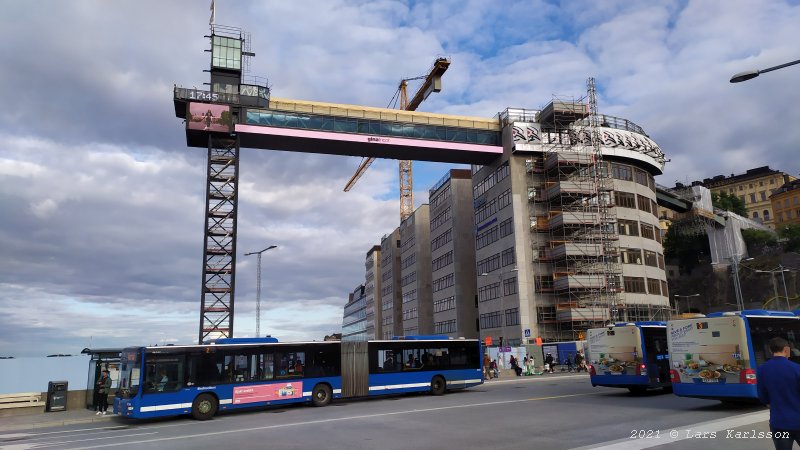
(567, 234)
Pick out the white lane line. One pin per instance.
(340, 419)
(670, 435)
(50, 444)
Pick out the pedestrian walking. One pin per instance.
(580, 362)
(549, 361)
(779, 389)
(101, 391)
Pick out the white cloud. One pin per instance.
(108, 202)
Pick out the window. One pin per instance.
(408, 279)
(634, 285)
(410, 314)
(489, 264)
(664, 291)
(653, 286)
(512, 316)
(486, 211)
(491, 320)
(261, 367)
(510, 286)
(755, 214)
(442, 261)
(164, 373)
(648, 231)
(409, 296)
(752, 198)
(486, 237)
(442, 239)
(508, 257)
(741, 188)
(640, 176)
(386, 305)
(621, 172)
(631, 255)
(763, 195)
(447, 326)
(444, 304)
(651, 258)
(625, 199)
(226, 53)
(444, 282)
(489, 292)
(644, 204)
(507, 227)
(409, 261)
(440, 197)
(440, 219)
(504, 199)
(289, 364)
(628, 227)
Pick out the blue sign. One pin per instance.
(527, 332)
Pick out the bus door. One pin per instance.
(656, 354)
(355, 369)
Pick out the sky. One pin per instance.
(102, 203)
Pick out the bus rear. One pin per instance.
(716, 356)
(629, 355)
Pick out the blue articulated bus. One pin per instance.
(629, 355)
(202, 380)
(716, 356)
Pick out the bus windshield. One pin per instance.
(130, 371)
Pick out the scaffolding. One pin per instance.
(573, 222)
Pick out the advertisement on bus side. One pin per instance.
(615, 350)
(267, 392)
(708, 350)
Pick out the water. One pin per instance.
(32, 374)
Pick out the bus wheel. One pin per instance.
(204, 407)
(438, 385)
(321, 395)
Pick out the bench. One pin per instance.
(23, 400)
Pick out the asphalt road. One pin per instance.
(556, 412)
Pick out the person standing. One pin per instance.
(779, 389)
(579, 362)
(101, 391)
(487, 373)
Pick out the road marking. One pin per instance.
(51, 443)
(671, 435)
(341, 419)
(543, 378)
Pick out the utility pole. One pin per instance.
(258, 287)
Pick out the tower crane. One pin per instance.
(432, 83)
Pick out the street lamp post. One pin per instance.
(687, 297)
(258, 287)
(750, 74)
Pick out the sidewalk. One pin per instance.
(50, 419)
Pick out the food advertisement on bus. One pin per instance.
(267, 392)
(209, 117)
(708, 350)
(615, 350)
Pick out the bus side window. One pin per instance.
(261, 367)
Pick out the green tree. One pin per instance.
(790, 233)
(687, 251)
(758, 238)
(729, 202)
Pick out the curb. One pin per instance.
(54, 423)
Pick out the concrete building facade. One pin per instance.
(390, 292)
(754, 188)
(452, 253)
(372, 291)
(567, 227)
(415, 273)
(786, 203)
(354, 321)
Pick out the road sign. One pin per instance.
(527, 332)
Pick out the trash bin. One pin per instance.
(56, 396)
